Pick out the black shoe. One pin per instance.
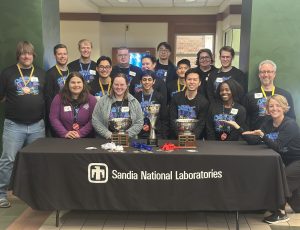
(277, 217)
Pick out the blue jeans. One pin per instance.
(15, 137)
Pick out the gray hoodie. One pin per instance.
(101, 116)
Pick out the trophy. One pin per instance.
(119, 127)
(152, 112)
(186, 137)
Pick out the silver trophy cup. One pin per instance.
(152, 111)
(119, 127)
(186, 136)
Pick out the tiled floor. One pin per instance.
(96, 220)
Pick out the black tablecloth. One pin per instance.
(61, 174)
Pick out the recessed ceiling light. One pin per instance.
(123, 1)
(190, 0)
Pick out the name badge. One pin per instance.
(234, 111)
(258, 95)
(67, 108)
(92, 72)
(219, 79)
(131, 73)
(206, 79)
(125, 109)
(34, 79)
(86, 106)
(165, 74)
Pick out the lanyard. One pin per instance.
(150, 98)
(178, 86)
(75, 112)
(264, 93)
(101, 86)
(22, 76)
(60, 73)
(88, 68)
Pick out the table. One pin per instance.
(61, 174)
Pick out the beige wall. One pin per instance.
(138, 35)
(72, 31)
(106, 35)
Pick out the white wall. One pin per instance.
(73, 31)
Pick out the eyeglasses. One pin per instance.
(163, 50)
(204, 58)
(101, 67)
(266, 72)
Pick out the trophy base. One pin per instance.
(187, 141)
(152, 142)
(120, 139)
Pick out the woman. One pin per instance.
(119, 103)
(150, 96)
(71, 110)
(281, 134)
(227, 108)
(204, 67)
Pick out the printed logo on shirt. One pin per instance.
(219, 80)
(88, 77)
(186, 112)
(97, 173)
(60, 82)
(273, 136)
(32, 86)
(118, 112)
(219, 124)
(262, 104)
(162, 74)
(138, 88)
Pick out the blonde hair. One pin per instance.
(24, 47)
(282, 101)
(84, 41)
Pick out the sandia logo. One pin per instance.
(97, 173)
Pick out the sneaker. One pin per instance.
(277, 217)
(4, 203)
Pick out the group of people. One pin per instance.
(78, 99)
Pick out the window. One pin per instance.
(187, 46)
(232, 38)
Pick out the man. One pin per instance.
(164, 68)
(189, 104)
(21, 89)
(57, 75)
(84, 65)
(178, 85)
(255, 101)
(102, 84)
(150, 96)
(148, 63)
(123, 66)
(226, 71)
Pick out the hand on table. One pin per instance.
(72, 135)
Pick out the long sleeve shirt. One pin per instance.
(182, 107)
(62, 117)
